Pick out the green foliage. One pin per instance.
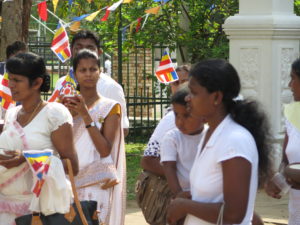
(134, 153)
(204, 37)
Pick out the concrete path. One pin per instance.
(273, 211)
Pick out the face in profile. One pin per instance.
(19, 87)
(84, 43)
(200, 101)
(294, 84)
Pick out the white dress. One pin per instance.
(229, 140)
(293, 154)
(111, 201)
(15, 190)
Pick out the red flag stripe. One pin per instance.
(62, 47)
(42, 10)
(4, 82)
(165, 62)
(168, 70)
(58, 39)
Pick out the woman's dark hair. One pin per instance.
(179, 96)
(84, 54)
(296, 67)
(31, 66)
(220, 75)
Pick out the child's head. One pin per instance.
(184, 120)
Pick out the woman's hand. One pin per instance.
(294, 184)
(176, 211)
(11, 159)
(272, 190)
(76, 106)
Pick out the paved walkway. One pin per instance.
(273, 211)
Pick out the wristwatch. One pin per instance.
(92, 124)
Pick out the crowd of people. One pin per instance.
(202, 165)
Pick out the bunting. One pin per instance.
(60, 44)
(165, 72)
(42, 10)
(127, 1)
(105, 17)
(92, 16)
(55, 2)
(5, 93)
(39, 163)
(138, 25)
(75, 26)
(153, 10)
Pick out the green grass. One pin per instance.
(134, 153)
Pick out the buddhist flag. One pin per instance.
(5, 94)
(67, 87)
(39, 163)
(165, 72)
(42, 10)
(60, 44)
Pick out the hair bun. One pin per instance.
(46, 83)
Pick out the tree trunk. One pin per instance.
(15, 23)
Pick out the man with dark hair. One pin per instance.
(106, 86)
(11, 50)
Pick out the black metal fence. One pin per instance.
(146, 99)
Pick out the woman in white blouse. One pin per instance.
(232, 153)
(33, 125)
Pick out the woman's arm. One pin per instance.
(171, 175)
(152, 164)
(62, 140)
(236, 184)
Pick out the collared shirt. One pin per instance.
(228, 141)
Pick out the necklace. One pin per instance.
(32, 114)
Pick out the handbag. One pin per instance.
(81, 212)
(153, 195)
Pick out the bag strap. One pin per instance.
(221, 214)
(77, 203)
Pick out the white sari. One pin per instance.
(94, 170)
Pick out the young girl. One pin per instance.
(232, 152)
(99, 142)
(179, 146)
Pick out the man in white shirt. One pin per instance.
(106, 86)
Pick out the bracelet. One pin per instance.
(92, 124)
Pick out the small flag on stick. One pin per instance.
(165, 72)
(5, 94)
(60, 44)
(39, 162)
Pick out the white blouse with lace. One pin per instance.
(16, 183)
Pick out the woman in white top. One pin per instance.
(99, 142)
(232, 153)
(33, 125)
(291, 151)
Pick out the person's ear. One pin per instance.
(218, 97)
(37, 83)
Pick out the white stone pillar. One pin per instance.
(264, 41)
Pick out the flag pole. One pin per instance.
(39, 22)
